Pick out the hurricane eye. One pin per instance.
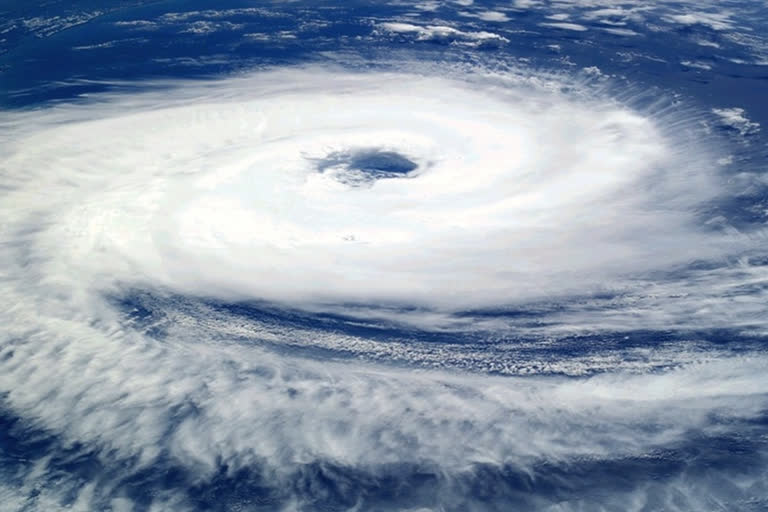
(365, 166)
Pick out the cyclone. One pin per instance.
(417, 284)
(273, 186)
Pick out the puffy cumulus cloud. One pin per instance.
(442, 33)
(486, 15)
(209, 27)
(444, 191)
(638, 13)
(714, 20)
(736, 119)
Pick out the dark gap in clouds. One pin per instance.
(143, 308)
(359, 167)
(503, 351)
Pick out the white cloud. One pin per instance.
(593, 70)
(696, 64)
(143, 24)
(716, 21)
(736, 118)
(441, 33)
(43, 26)
(209, 27)
(526, 4)
(621, 31)
(486, 15)
(566, 26)
(397, 235)
(708, 44)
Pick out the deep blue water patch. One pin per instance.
(358, 167)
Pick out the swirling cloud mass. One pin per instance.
(417, 284)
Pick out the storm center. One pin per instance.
(365, 166)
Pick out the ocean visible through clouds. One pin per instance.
(376, 256)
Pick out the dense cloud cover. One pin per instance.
(414, 284)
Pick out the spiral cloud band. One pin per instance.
(283, 190)
(197, 267)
